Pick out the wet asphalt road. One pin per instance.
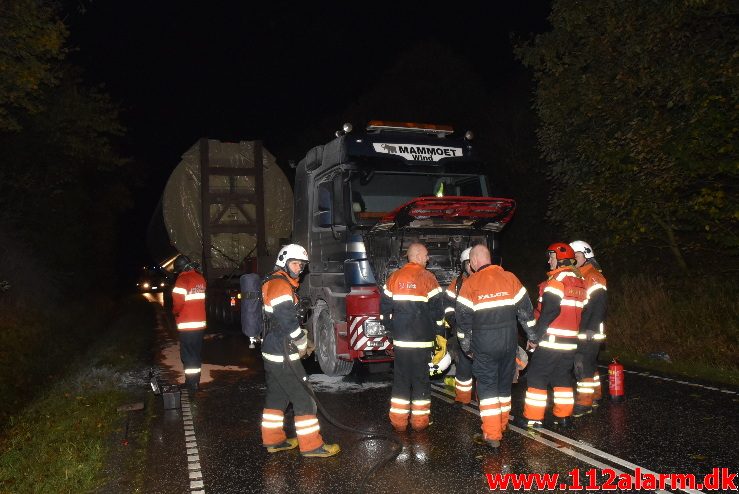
(213, 444)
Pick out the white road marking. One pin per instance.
(655, 376)
(195, 474)
(572, 442)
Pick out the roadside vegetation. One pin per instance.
(637, 127)
(67, 437)
(680, 326)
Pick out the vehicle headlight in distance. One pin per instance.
(145, 285)
(373, 327)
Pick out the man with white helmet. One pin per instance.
(592, 332)
(463, 364)
(279, 294)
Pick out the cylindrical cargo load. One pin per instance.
(181, 204)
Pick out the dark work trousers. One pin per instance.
(284, 388)
(462, 363)
(494, 361)
(411, 374)
(191, 346)
(550, 367)
(589, 351)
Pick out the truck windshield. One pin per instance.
(375, 193)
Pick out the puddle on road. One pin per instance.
(170, 358)
(341, 384)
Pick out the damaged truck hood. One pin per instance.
(446, 213)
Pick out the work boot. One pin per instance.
(581, 410)
(491, 443)
(562, 422)
(289, 443)
(525, 423)
(423, 427)
(323, 451)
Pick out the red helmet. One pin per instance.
(561, 250)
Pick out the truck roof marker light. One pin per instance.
(439, 130)
(345, 129)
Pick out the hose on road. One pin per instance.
(367, 435)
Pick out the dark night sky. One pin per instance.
(242, 70)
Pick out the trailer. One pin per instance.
(227, 205)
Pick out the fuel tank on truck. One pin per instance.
(181, 207)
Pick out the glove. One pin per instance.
(589, 335)
(579, 367)
(531, 345)
(302, 344)
(387, 323)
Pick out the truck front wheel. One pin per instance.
(326, 356)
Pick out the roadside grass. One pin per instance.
(36, 345)
(64, 439)
(701, 370)
(695, 322)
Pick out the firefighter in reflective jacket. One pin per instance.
(592, 332)
(279, 293)
(561, 299)
(488, 306)
(463, 364)
(412, 311)
(188, 308)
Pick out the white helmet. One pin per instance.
(291, 252)
(465, 255)
(437, 369)
(584, 247)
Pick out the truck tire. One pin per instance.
(325, 337)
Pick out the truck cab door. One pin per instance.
(329, 232)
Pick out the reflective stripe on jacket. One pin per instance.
(492, 298)
(594, 312)
(450, 302)
(188, 301)
(280, 307)
(561, 300)
(412, 304)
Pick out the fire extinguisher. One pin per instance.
(616, 381)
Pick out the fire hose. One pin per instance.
(367, 435)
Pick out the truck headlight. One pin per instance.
(373, 328)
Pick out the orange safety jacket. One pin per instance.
(188, 301)
(594, 312)
(561, 300)
(492, 298)
(450, 301)
(280, 305)
(411, 307)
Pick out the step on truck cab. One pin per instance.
(359, 201)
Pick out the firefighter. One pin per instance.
(412, 310)
(561, 299)
(281, 303)
(188, 308)
(463, 364)
(488, 306)
(592, 331)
